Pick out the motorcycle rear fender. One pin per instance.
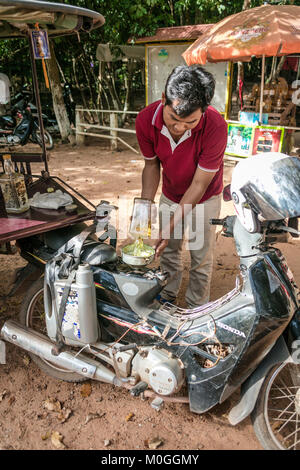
(251, 387)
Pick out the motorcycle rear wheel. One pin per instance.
(32, 315)
(36, 137)
(276, 416)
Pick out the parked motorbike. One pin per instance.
(91, 316)
(13, 133)
(49, 117)
(51, 129)
(20, 134)
(8, 121)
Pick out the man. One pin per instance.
(187, 138)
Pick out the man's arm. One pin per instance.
(150, 178)
(188, 201)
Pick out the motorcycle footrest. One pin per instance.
(139, 388)
(157, 403)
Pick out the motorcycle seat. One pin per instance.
(57, 238)
(93, 252)
(96, 253)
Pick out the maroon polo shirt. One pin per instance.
(203, 146)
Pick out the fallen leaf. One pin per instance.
(91, 416)
(46, 436)
(56, 439)
(11, 400)
(64, 414)
(155, 443)
(51, 404)
(22, 432)
(86, 390)
(2, 394)
(107, 442)
(276, 425)
(129, 416)
(26, 360)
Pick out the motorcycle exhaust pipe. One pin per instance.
(41, 346)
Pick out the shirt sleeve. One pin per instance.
(212, 153)
(144, 138)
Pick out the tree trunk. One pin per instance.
(246, 4)
(101, 87)
(273, 70)
(111, 86)
(171, 6)
(240, 74)
(279, 66)
(128, 85)
(240, 83)
(57, 96)
(84, 102)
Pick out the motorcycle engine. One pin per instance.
(159, 369)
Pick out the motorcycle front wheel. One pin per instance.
(36, 138)
(32, 315)
(276, 416)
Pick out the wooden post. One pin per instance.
(80, 139)
(113, 118)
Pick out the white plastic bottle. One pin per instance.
(80, 317)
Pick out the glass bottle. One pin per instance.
(268, 105)
(272, 91)
(266, 91)
(279, 101)
(257, 105)
(13, 188)
(140, 226)
(255, 92)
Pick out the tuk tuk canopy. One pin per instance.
(19, 16)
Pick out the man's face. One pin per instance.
(177, 125)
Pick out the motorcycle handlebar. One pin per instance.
(216, 221)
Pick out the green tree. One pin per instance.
(124, 20)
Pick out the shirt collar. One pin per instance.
(174, 144)
(157, 119)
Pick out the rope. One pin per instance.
(41, 53)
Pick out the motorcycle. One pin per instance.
(28, 130)
(15, 133)
(20, 134)
(49, 119)
(91, 316)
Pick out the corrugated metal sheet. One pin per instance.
(176, 33)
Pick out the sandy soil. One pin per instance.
(38, 412)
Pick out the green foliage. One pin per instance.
(124, 20)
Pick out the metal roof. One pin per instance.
(176, 33)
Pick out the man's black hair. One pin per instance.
(192, 87)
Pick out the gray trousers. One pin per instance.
(200, 240)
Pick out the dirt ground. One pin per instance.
(41, 413)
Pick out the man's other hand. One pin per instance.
(160, 246)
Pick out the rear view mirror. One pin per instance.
(227, 193)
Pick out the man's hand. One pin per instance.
(160, 246)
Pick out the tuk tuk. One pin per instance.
(36, 20)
